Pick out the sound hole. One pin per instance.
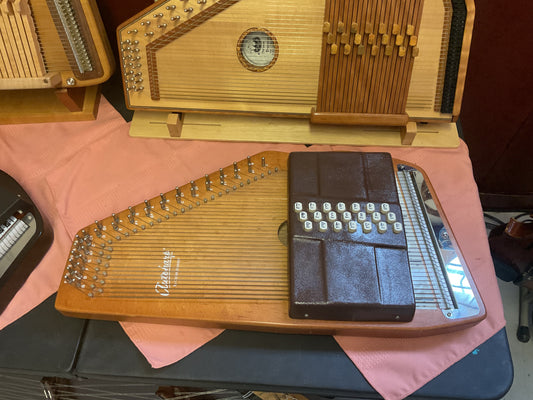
(257, 49)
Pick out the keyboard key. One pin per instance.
(317, 216)
(391, 218)
(376, 217)
(382, 227)
(361, 217)
(341, 207)
(352, 226)
(312, 206)
(384, 208)
(337, 226)
(308, 226)
(323, 226)
(346, 216)
(298, 206)
(326, 207)
(367, 227)
(370, 208)
(355, 207)
(332, 216)
(397, 227)
(302, 216)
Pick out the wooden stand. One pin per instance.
(215, 127)
(49, 105)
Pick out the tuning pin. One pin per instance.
(188, 10)
(131, 215)
(163, 201)
(147, 208)
(222, 176)
(250, 165)
(263, 162)
(178, 195)
(193, 189)
(99, 225)
(236, 170)
(207, 182)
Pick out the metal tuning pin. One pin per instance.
(263, 162)
(236, 170)
(131, 215)
(158, 15)
(99, 225)
(193, 189)
(178, 195)
(188, 10)
(250, 165)
(172, 7)
(222, 176)
(147, 208)
(207, 182)
(163, 201)
(115, 218)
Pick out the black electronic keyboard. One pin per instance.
(24, 238)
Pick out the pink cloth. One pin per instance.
(81, 171)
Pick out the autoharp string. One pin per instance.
(205, 238)
(291, 39)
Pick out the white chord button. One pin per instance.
(376, 217)
(332, 216)
(308, 226)
(326, 207)
(337, 226)
(361, 216)
(346, 216)
(382, 227)
(302, 216)
(317, 216)
(355, 207)
(323, 226)
(384, 208)
(352, 226)
(367, 227)
(298, 206)
(312, 206)
(341, 207)
(370, 208)
(391, 218)
(397, 227)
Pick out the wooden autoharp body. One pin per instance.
(213, 253)
(356, 62)
(55, 45)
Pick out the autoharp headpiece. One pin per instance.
(52, 44)
(360, 62)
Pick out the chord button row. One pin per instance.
(351, 226)
(340, 207)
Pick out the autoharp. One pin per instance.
(59, 45)
(25, 237)
(213, 253)
(353, 62)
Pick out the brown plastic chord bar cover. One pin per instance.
(354, 269)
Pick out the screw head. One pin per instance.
(71, 81)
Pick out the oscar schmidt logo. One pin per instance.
(168, 279)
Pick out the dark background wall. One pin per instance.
(497, 111)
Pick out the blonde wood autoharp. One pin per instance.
(352, 62)
(51, 48)
(213, 253)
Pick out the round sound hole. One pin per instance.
(257, 49)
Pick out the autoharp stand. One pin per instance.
(222, 127)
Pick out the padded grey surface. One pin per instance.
(281, 363)
(41, 342)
